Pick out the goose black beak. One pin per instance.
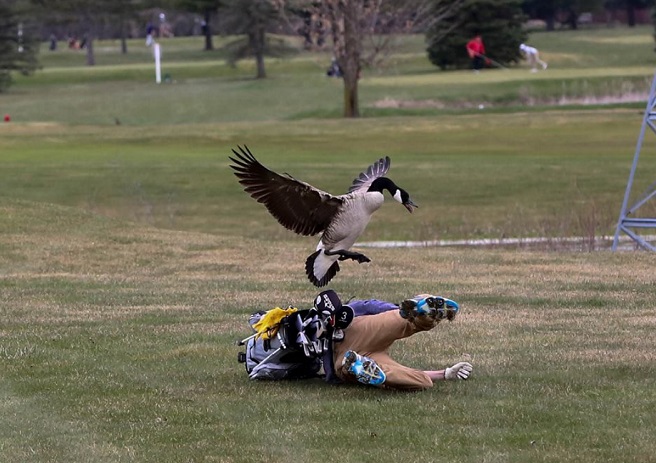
(409, 205)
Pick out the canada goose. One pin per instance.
(306, 210)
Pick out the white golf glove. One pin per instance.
(460, 370)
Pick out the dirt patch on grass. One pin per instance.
(526, 100)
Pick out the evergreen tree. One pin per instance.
(499, 22)
(254, 18)
(122, 11)
(18, 48)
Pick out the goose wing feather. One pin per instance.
(376, 170)
(298, 206)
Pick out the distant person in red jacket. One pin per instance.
(476, 52)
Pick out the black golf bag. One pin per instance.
(294, 346)
(294, 352)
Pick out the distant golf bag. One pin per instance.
(292, 353)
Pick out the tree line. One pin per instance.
(358, 32)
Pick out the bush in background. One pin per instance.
(499, 22)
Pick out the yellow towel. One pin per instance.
(268, 325)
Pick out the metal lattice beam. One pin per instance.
(629, 225)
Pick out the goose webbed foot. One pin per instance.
(345, 255)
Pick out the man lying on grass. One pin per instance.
(350, 341)
(362, 354)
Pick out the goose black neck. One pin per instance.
(383, 183)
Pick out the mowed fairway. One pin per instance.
(130, 259)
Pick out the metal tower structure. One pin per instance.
(627, 222)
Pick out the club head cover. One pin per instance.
(343, 317)
(327, 303)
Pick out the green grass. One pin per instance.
(117, 346)
(130, 258)
(558, 173)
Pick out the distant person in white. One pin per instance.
(532, 55)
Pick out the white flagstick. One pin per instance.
(158, 69)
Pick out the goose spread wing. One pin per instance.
(298, 206)
(376, 170)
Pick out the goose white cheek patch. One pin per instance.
(397, 196)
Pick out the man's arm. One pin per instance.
(460, 370)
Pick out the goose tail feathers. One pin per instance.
(321, 268)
